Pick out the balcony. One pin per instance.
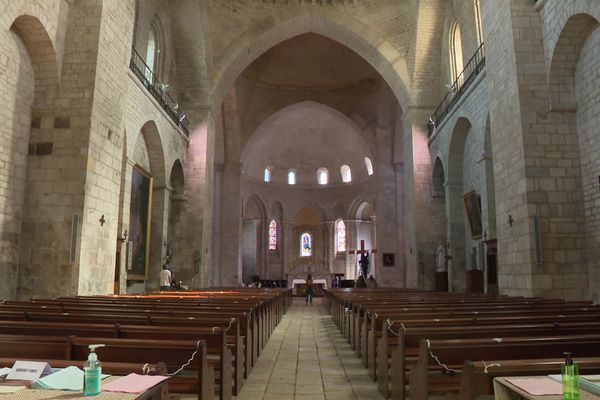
(158, 90)
(458, 88)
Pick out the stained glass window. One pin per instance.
(267, 177)
(291, 177)
(346, 173)
(305, 245)
(340, 236)
(273, 235)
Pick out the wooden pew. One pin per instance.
(438, 368)
(396, 354)
(477, 376)
(172, 327)
(172, 353)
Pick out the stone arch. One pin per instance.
(254, 239)
(565, 13)
(456, 220)
(41, 52)
(159, 213)
(31, 78)
(176, 209)
(151, 134)
(565, 58)
(48, 16)
(295, 21)
(438, 178)
(325, 100)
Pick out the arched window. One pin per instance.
(322, 176)
(305, 245)
(456, 56)
(273, 235)
(478, 21)
(267, 176)
(291, 177)
(340, 236)
(369, 165)
(151, 56)
(346, 173)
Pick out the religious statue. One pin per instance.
(440, 258)
(364, 262)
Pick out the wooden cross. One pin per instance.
(102, 220)
(362, 249)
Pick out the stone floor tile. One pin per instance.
(308, 359)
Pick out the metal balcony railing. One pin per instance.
(158, 90)
(459, 87)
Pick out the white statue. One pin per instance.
(440, 258)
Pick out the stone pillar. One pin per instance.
(230, 227)
(352, 243)
(524, 132)
(158, 238)
(86, 127)
(456, 236)
(287, 248)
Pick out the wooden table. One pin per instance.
(504, 390)
(157, 392)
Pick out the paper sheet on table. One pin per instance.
(70, 378)
(4, 371)
(133, 383)
(10, 389)
(537, 386)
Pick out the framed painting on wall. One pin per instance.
(473, 210)
(140, 212)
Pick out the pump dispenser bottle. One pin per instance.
(92, 371)
(570, 379)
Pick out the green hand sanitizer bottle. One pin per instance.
(92, 370)
(570, 379)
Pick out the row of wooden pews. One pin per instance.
(225, 330)
(420, 343)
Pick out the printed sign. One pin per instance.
(28, 370)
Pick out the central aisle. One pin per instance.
(307, 358)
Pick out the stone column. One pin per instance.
(286, 252)
(456, 237)
(525, 131)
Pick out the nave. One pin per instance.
(307, 358)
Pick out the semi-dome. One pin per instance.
(305, 138)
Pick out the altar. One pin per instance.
(299, 285)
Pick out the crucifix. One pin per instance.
(102, 220)
(364, 257)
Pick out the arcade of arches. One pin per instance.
(271, 137)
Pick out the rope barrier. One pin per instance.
(389, 326)
(451, 370)
(188, 362)
(486, 366)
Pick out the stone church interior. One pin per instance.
(446, 148)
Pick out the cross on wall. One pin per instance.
(362, 249)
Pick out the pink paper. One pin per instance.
(133, 383)
(537, 386)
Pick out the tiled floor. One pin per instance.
(307, 358)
